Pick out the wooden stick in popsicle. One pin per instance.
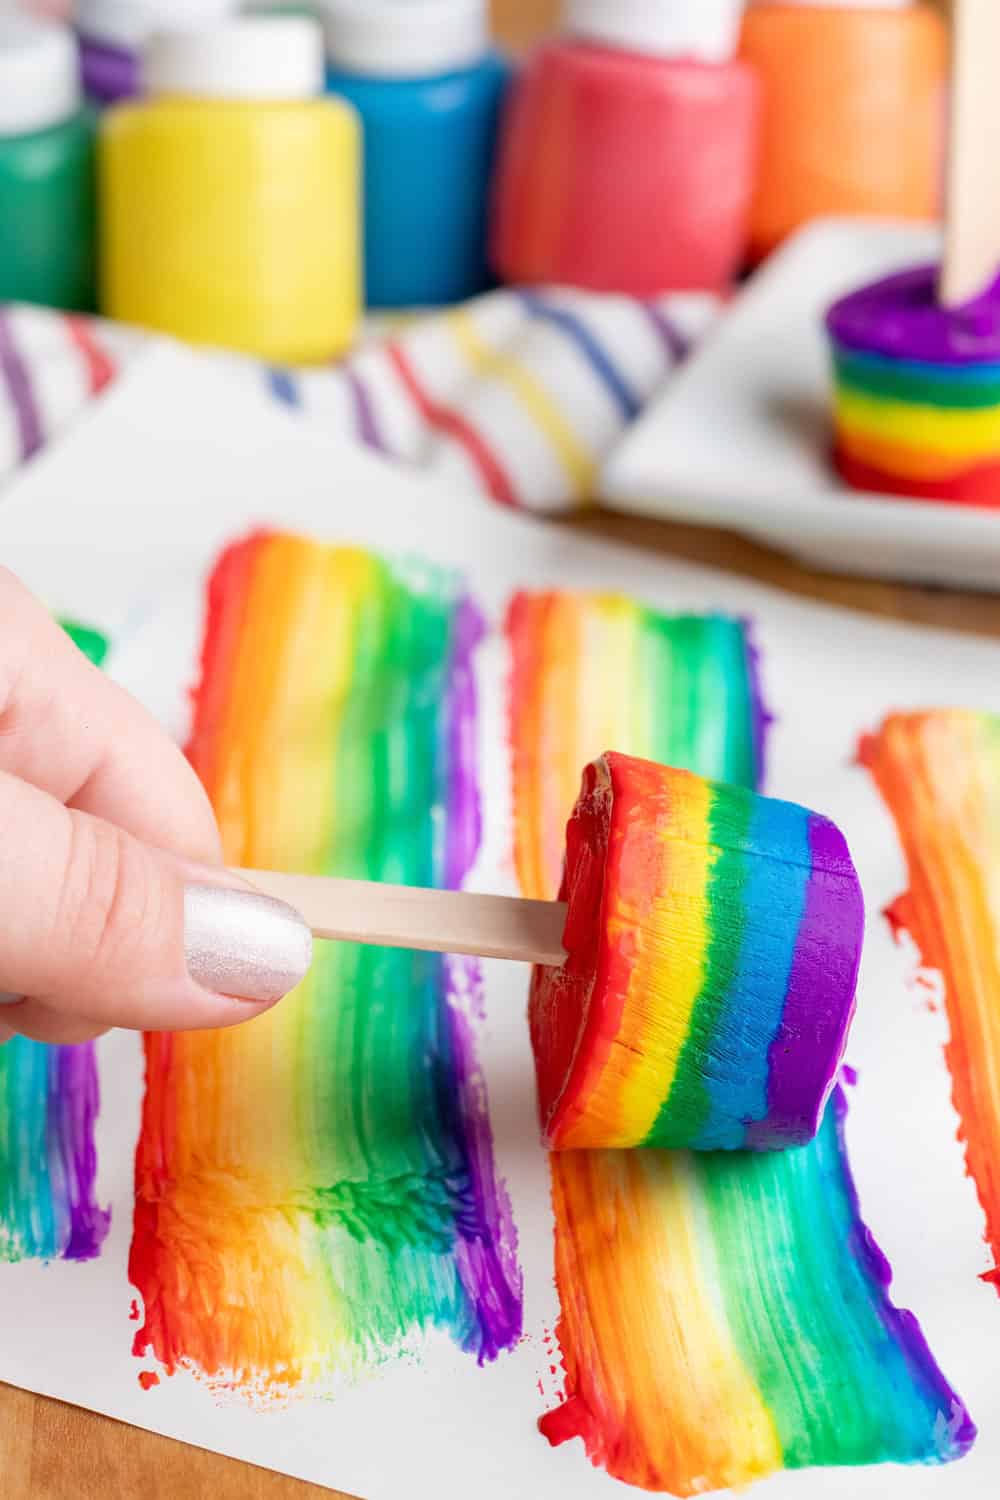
(693, 984)
(972, 191)
(400, 916)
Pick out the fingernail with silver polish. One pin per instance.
(6, 999)
(244, 944)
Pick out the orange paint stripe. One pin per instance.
(899, 458)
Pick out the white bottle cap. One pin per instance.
(39, 74)
(707, 30)
(405, 38)
(256, 57)
(128, 23)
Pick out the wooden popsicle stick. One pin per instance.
(401, 916)
(972, 191)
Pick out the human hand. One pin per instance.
(114, 906)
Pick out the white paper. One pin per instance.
(117, 527)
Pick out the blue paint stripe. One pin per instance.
(283, 385)
(752, 1009)
(971, 374)
(593, 352)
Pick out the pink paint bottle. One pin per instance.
(628, 151)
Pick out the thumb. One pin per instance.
(98, 929)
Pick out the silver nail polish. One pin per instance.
(244, 944)
(6, 999)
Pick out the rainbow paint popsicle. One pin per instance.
(316, 1190)
(917, 390)
(723, 1315)
(49, 1099)
(714, 938)
(939, 774)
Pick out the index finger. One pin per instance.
(69, 730)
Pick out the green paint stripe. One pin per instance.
(93, 645)
(892, 383)
(684, 1114)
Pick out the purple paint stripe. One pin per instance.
(900, 1324)
(761, 717)
(15, 375)
(364, 411)
(667, 331)
(74, 1101)
(463, 822)
(486, 1245)
(808, 1046)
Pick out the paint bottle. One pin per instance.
(229, 194)
(112, 34)
(46, 168)
(852, 111)
(428, 88)
(627, 151)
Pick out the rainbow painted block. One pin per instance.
(917, 390)
(713, 940)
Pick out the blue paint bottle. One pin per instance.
(428, 87)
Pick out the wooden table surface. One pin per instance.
(49, 1451)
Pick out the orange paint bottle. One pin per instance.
(853, 111)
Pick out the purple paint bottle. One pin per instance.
(112, 34)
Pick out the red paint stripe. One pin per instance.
(975, 486)
(445, 419)
(101, 369)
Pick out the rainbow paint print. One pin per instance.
(723, 1315)
(939, 775)
(48, 1162)
(49, 1100)
(316, 1189)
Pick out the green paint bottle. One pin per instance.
(47, 213)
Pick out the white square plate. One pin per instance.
(742, 437)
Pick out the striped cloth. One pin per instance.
(52, 364)
(518, 394)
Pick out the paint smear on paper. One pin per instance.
(939, 774)
(48, 1162)
(49, 1100)
(90, 642)
(723, 1315)
(316, 1189)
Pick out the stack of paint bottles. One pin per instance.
(229, 194)
(46, 168)
(628, 150)
(113, 33)
(852, 111)
(428, 88)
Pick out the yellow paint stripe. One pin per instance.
(672, 938)
(643, 1332)
(959, 433)
(578, 463)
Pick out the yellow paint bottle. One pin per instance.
(230, 194)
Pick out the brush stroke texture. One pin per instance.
(939, 775)
(726, 1315)
(315, 1189)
